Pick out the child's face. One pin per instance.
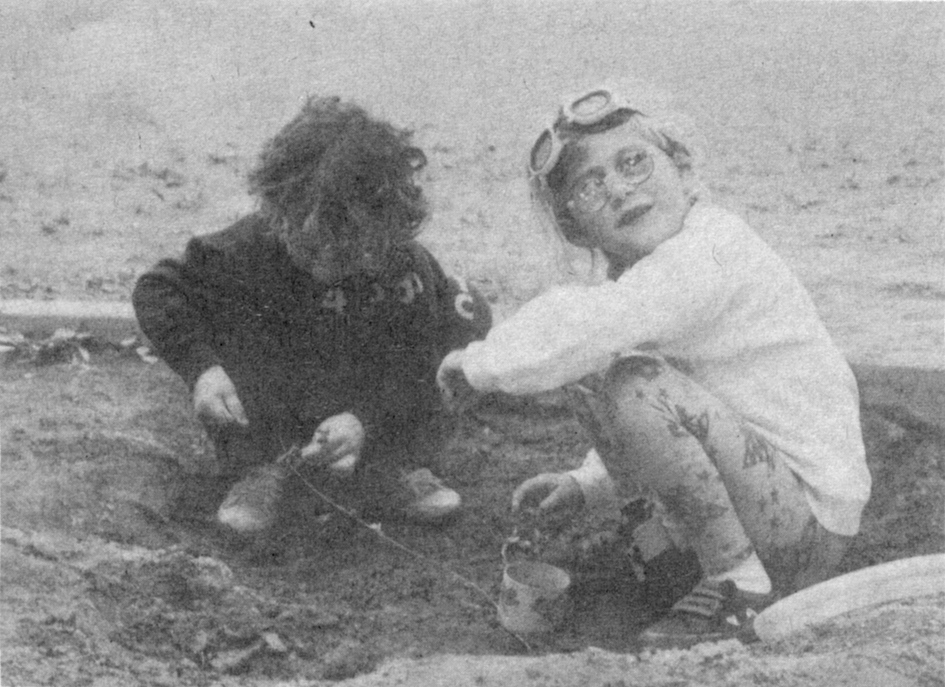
(625, 194)
(329, 260)
(326, 268)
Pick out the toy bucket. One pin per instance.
(533, 598)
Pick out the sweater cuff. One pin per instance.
(198, 360)
(596, 484)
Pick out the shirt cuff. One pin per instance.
(476, 370)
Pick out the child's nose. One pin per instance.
(619, 187)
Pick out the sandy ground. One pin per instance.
(112, 574)
(128, 127)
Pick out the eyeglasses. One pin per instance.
(590, 193)
(588, 109)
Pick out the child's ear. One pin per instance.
(684, 165)
(690, 182)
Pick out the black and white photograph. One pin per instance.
(586, 343)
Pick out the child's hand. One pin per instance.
(215, 399)
(454, 388)
(336, 444)
(553, 490)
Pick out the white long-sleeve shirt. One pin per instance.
(716, 296)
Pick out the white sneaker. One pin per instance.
(252, 506)
(432, 501)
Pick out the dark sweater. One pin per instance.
(299, 351)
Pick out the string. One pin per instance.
(292, 457)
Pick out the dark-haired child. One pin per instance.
(318, 321)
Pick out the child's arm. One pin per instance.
(462, 313)
(169, 307)
(572, 331)
(396, 393)
(454, 315)
(466, 314)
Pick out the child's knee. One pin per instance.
(813, 558)
(824, 560)
(635, 370)
(633, 386)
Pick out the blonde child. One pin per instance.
(718, 388)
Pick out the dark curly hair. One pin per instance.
(335, 168)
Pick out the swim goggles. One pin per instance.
(590, 108)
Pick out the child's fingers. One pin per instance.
(519, 496)
(451, 380)
(445, 391)
(456, 392)
(326, 449)
(444, 381)
(309, 451)
(552, 502)
(532, 489)
(313, 448)
(234, 410)
(450, 400)
(337, 445)
(214, 411)
(344, 467)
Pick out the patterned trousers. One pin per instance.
(726, 490)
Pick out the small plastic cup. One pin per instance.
(534, 597)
